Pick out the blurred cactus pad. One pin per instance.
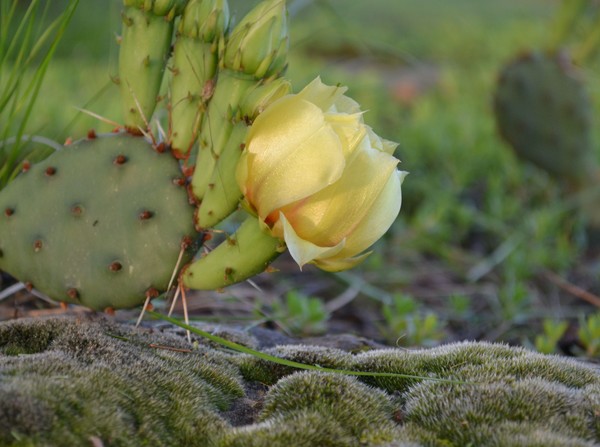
(544, 111)
(121, 386)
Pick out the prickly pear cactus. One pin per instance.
(544, 112)
(99, 223)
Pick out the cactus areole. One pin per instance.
(100, 223)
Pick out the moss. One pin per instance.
(437, 407)
(303, 429)
(255, 369)
(32, 338)
(90, 383)
(364, 413)
(65, 381)
(473, 362)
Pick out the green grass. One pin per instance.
(477, 223)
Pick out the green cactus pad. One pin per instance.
(99, 223)
(544, 112)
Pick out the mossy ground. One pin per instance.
(77, 380)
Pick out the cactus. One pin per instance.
(223, 194)
(247, 253)
(194, 66)
(255, 52)
(255, 55)
(102, 222)
(145, 42)
(543, 110)
(99, 223)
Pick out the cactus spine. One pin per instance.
(194, 65)
(145, 42)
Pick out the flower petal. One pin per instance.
(302, 250)
(337, 211)
(336, 264)
(322, 95)
(294, 153)
(241, 173)
(349, 129)
(380, 216)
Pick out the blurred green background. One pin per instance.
(486, 246)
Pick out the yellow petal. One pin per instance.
(389, 146)
(349, 129)
(322, 95)
(241, 173)
(344, 104)
(379, 217)
(302, 250)
(336, 264)
(294, 153)
(334, 213)
(380, 143)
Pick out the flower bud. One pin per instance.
(258, 44)
(168, 7)
(319, 178)
(171, 8)
(261, 95)
(205, 19)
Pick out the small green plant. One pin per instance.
(553, 331)
(589, 334)
(26, 50)
(460, 305)
(513, 299)
(406, 324)
(300, 314)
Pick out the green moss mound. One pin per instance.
(74, 381)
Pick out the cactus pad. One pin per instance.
(543, 111)
(99, 223)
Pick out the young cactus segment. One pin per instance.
(223, 194)
(194, 66)
(145, 43)
(217, 126)
(256, 50)
(99, 223)
(543, 110)
(245, 254)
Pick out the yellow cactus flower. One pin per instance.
(319, 178)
